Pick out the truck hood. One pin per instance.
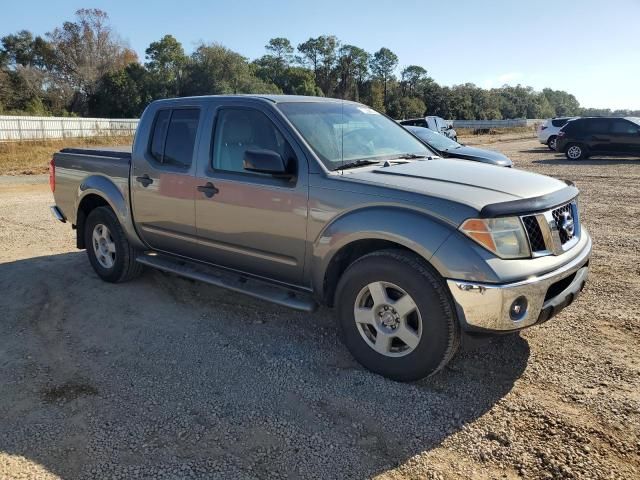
(469, 183)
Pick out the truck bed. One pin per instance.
(118, 151)
(80, 168)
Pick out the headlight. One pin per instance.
(503, 236)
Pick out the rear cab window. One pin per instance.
(174, 136)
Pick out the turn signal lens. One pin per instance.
(503, 236)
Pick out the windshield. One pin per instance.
(635, 120)
(436, 140)
(345, 132)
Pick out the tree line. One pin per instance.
(84, 68)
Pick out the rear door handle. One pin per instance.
(145, 180)
(209, 189)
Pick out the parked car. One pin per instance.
(447, 148)
(304, 201)
(548, 130)
(584, 137)
(437, 124)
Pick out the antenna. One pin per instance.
(342, 133)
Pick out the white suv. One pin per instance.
(548, 130)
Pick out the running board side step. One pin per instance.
(235, 282)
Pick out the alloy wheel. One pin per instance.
(103, 246)
(574, 152)
(388, 319)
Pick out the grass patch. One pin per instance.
(32, 157)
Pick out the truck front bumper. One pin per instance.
(487, 307)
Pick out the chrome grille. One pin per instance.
(536, 240)
(554, 231)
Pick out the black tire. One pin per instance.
(440, 329)
(551, 143)
(124, 266)
(571, 149)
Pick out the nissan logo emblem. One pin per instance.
(567, 224)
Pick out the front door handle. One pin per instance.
(209, 189)
(145, 180)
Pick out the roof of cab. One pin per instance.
(270, 98)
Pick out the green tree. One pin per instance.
(274, 66)
(215, 69)
(406, 107)
(166, 62)
(411, 77)
(352, 69)
(22, 49)
(321, 54)
(562, 103)
(122, 94)
(86, 50)
(382, 65)
(281, 49)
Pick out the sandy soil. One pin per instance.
(165, 378)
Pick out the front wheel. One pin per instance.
(575, 151)
(396, 315)
(109, 251)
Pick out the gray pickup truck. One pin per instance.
(309, 201)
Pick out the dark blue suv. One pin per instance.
(588, 136)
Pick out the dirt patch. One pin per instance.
(68, 391)
(198, 382)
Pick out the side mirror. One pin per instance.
(264, 161)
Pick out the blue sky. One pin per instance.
(587, 47)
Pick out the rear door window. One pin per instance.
(559, 122)
(623, 127)
(181, 137)
(174, 137)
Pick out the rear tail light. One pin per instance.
(52, 175)
(543, 127)
(561, 133)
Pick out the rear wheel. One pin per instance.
(551, 143)
(110, 253)
(576, 151)
(396, 315)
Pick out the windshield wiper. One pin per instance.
(409, 156)
(356, 163)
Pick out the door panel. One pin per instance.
(163, 183)
(598, 137)
(625, 137)
(252, 222)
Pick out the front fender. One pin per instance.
(411, 229)
(117, 196)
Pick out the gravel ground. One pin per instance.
(165, 378)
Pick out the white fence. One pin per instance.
(521, 122)
(17, 128)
